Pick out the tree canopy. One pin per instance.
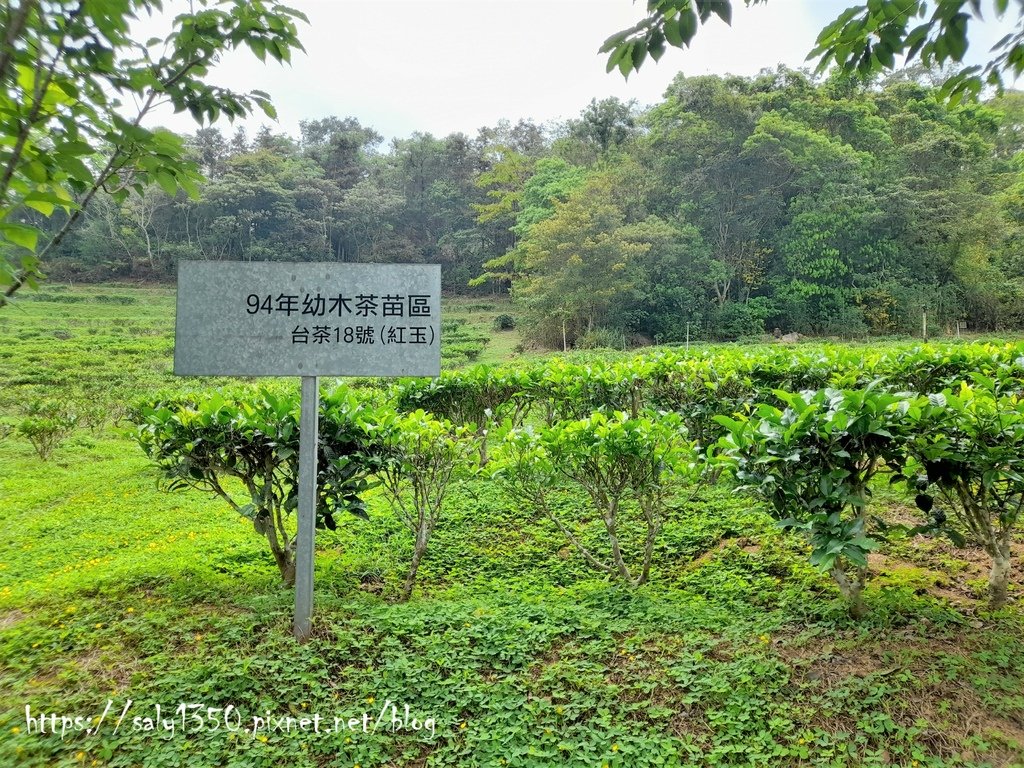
(74, 89)
(833, 205)
(864, 38)
(839, 204)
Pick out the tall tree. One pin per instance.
(340, 147)
(607, 124)
(577, 266)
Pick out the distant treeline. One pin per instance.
(736, 205)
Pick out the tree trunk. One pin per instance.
(287, 566)
(999, 578)
(283, 556)
(613, 538)
(482, 434)
(419, 550)
(650, 507)
(852, 590)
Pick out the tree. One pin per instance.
(607, 123)
(366, 215)
(212, 150)
(670, 288)
(700, 144)
(575, 266)
(435, 178)
(525, 137)
(864, 38)
(69, 70)
(504, 183)
(266, 205)
(553, 181)
(340, 147)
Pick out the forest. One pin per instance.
(835, 206)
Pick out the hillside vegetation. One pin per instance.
(733, 206)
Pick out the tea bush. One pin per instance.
(47, 424)
(969, 447)
(416, 459)
(617, 461)
(813, 463)
(251, 437)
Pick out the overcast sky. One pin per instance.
(443, 66)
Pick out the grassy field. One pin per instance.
(122, 602)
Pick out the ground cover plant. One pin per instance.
(737, 650)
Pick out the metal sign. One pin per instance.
(308, 320)
(311, 319)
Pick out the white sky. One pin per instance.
(442, 66)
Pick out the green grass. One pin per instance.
(736, 654)
(116, 342)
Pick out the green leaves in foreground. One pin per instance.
(70, 72)
(864, 38)
(672, 22)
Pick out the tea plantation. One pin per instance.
(159, 620)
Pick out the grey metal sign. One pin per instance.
(307, 319)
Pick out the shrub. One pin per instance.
(735, 320)
(504, 322)
(613, 459)
(601, 338)
(566, 391)
(969, 448)
(252, 436)
(477, 397)
(417, 458)
(812, 462)
(114, 298)
(46, 425)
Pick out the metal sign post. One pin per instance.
(309, 437)
(308, 320)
